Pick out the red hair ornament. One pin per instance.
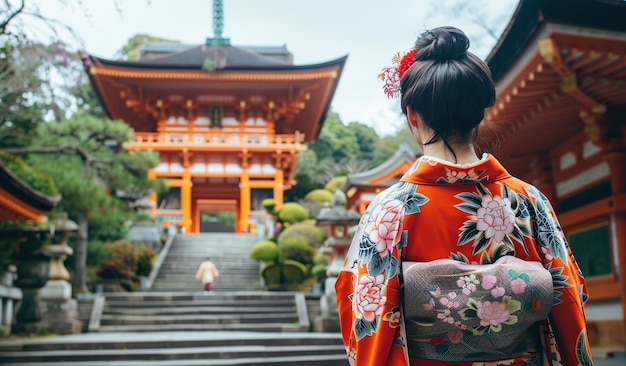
(391, 75)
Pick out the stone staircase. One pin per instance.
(228, 251)
(194, 311)
(176, 323)
(177, 349)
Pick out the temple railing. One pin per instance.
(167, 139)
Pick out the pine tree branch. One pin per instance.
(67, 149)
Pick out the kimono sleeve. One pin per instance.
(368, 289)
(567, 316)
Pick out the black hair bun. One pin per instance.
(441, 44)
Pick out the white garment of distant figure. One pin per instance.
(207, 272)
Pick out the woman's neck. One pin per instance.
(463, 154)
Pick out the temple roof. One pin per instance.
(404, 155)
(301, 93)
(559, 66)
(195, 55)
(21, 202)
(531, 15)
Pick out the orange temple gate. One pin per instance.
(228, 122)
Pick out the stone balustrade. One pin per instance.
(9, 299)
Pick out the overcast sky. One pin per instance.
(369, 32)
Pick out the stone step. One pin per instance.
(100, 341)
(213, 348)
(167, 286)
(217, 287)
(211, 299)
(184, 274)
(249, 327)
(178, 310)
(166, 320)
(247, 297)
(208, 353)
(308, 360)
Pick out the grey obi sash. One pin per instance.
(469, 312)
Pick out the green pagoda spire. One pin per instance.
(218, 25)
(218, 20)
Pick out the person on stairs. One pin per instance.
(207, 273)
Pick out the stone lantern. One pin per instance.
(59, 310)
(338, 221)
(32, 274)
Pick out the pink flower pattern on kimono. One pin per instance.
(454, 176)
(495, 218)
(368, 297)
(385, 225)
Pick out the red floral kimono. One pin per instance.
(475, 216)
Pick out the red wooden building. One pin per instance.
(228, 122)
(560, 122)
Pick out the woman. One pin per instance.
(459, 263)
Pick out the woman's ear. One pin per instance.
(413, 117)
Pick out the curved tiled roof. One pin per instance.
(530, 16)
(21, 191)
(404, 153)
(228, 55)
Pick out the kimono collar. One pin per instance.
(430, 170)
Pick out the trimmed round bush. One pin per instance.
(265, 251)
(320, 259)
(319, 270)
(313, 234)
(298, 249)
(268, 204)
(292, 212)
(293, 272)
(334, 184)
(319, 196)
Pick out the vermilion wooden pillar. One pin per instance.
(278, 187)
(185, 202)
(244, 202)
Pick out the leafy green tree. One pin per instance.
(336, 141)
(366, 137)
(306, 171)
(387, 146)
(85, 157)
(28, 92)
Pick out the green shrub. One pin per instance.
(269, 204)
(296, 248)
(293, 272)
(313, 234)
(28, 174)
(320, 259)
(320, 265)
(334, 184)
(123, 261)
(288, 275)
(292, 212)
(145, 261)
(264, 251)
(97, 252)
(319, 270)
(319, 196)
